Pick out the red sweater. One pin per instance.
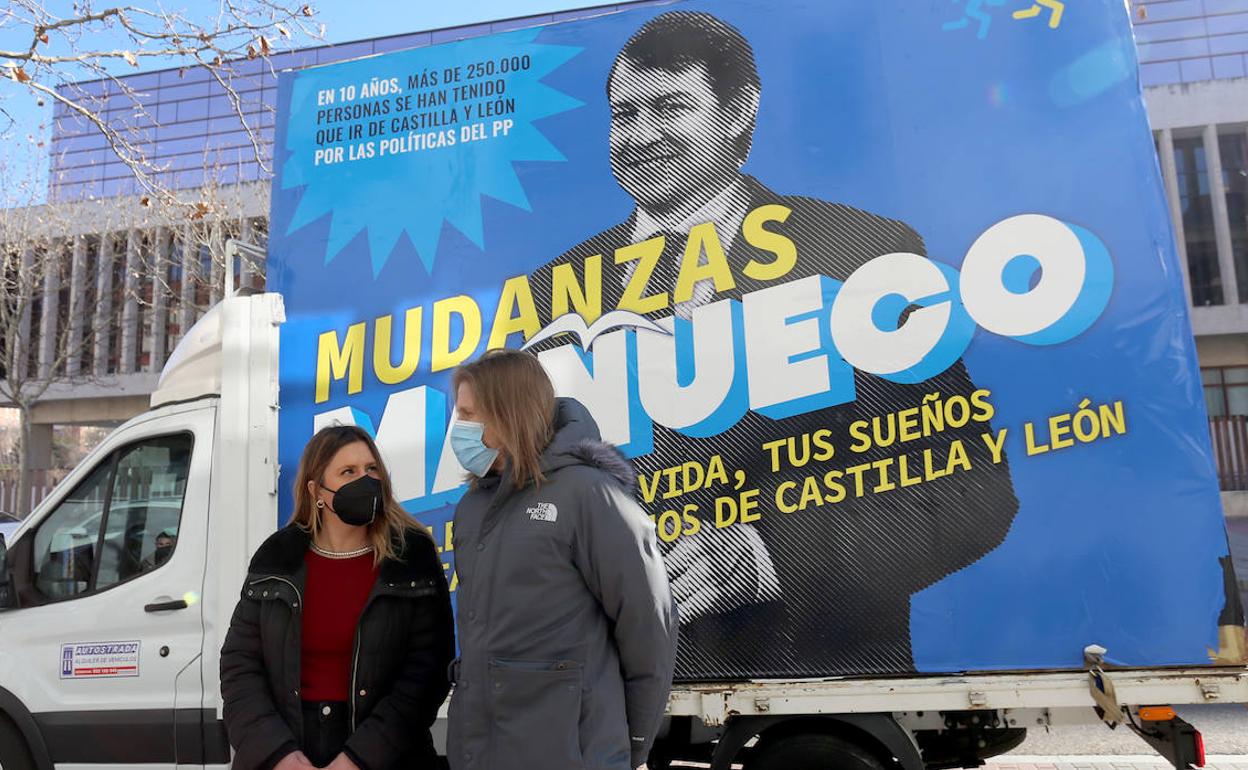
(333, 599)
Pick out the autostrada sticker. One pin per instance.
(95, 660)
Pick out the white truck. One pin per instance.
(112, 661)
(922, 566)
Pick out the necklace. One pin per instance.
(340, 554)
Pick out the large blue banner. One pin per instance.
(880, 298)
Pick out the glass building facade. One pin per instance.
(184, 120)
(1187, 41)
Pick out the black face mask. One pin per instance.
(163, 552)
(358, 502)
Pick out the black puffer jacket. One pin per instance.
(405, 641)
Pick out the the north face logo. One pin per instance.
(544, 512)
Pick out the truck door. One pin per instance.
(105, 646)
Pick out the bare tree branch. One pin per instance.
(65, 52)
(53, 267)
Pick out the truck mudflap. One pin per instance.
(1170, 736)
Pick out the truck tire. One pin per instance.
(811, 751)
(14, 753)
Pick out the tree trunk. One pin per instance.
(24, 476)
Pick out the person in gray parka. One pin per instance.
(567, 628)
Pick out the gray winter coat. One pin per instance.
(567, 628)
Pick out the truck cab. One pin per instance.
(116, 592)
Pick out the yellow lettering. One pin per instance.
(886, 484)
(516, 313)
(1032, 448)
(466, 308)
(825, 450)
(1059, 432)
(836, 488)
(716, 473)
(858, 430)
(759, 237)
(703, 240)
(646, 254)
(693, 525)
(334, 362)
(857, 471)
(958, 457)
(903, 466)
(749, 504)
(673, 483)
(774, 448)
(382, 362)
(930, 471)
(781, 489)
(811, 496)
(648, 493)
(566, 295)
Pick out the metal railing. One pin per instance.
(41, 485)
(1230, 451)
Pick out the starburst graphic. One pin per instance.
(447, 128)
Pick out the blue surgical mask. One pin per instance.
(470, 450)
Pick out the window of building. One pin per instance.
(115, 328)
(162, 299)
(1226, 390)
(231, 230)
(1234, 152)
(1198, 230)
(102, 317)
(90, 290)
(147, 289)
(62, 252)
(173, 319)
(204, 273)
(259, 237)
(30, 324)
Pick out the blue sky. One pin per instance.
(344, 21)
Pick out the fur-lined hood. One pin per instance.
(578, 442)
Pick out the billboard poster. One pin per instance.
(880, 299)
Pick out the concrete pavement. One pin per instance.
(1123, 762)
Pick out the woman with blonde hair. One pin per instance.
(566, 623)
(337, 652)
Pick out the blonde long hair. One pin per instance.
(388, 531)
(514, 393)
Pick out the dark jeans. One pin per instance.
(326, 727)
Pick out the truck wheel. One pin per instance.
(14, 753)
(811, 751)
